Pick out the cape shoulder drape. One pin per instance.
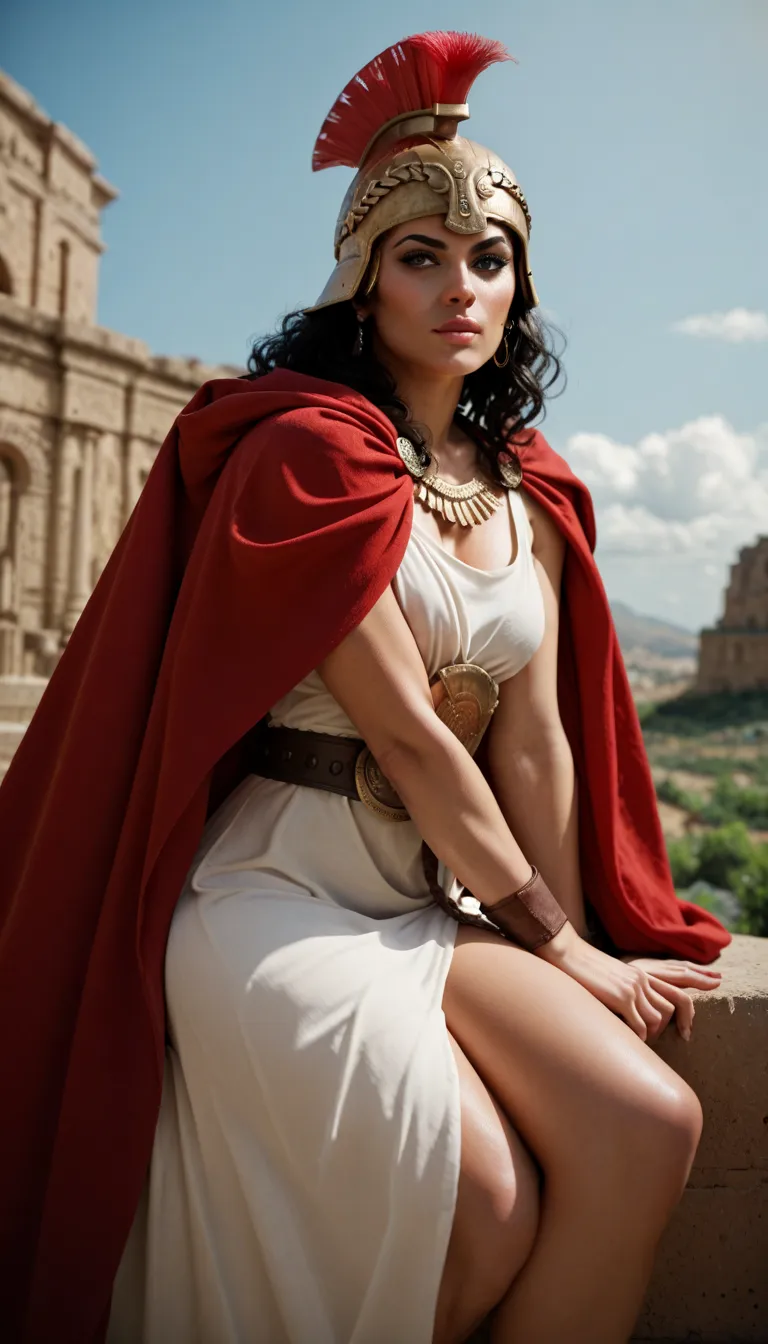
(275, 515)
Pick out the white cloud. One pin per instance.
(698, 492)
(738, 324)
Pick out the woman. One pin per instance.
(378, 1124)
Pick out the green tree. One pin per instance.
(723, 854)
(683, 860)
(751, 889)
(731, 803)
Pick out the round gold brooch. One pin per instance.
(510, 470)
(415, 459)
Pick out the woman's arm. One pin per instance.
(378, 677)
(530, 764)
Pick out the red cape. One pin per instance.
(276, 514)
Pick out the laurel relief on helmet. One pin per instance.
(440, 181)
(406, 172)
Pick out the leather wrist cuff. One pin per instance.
(530, 915)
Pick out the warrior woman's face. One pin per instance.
(431, 279)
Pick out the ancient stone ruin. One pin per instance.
(733, 655)
(83, 410)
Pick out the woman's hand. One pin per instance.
(664, 972)
(645, 991)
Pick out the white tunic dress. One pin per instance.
(305, 1165)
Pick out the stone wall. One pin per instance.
(83, 411)
(711, 1277)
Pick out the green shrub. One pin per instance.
(751, 890)
(714, 766)
(667, 791)
(645, 709)
(670, 792)
(731, 803)
(723, 853)
(683, 860)
(691, 715)
(723, 871)
(722, 904)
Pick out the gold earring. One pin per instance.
(502, 363)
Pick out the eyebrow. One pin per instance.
(443, 247)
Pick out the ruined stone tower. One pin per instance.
(733, 655)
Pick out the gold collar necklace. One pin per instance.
(467, 504)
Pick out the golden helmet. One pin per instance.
(396, 121)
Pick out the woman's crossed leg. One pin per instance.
(497, 1211)
(613, 1129)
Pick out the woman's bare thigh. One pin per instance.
(565, 1069)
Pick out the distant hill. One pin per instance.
(636, 631)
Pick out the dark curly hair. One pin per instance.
(498, 404)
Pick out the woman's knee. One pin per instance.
(595, 1104)
(671, 1124)
(646, 1146)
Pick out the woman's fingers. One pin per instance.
(651, 1018)
(686, 975)
(635, 1020)
(645, 1000)
(661, 1010)
(652, 1007)
(682, 1002)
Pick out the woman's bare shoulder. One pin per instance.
(546, 535)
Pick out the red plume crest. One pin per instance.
(415, 73)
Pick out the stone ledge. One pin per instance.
(710, 1282)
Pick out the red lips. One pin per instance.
(460, 324)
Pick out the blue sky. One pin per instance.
(638, 133)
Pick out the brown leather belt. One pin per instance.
(464, 697)
(332, 762)
(328, 761)
(315, 760)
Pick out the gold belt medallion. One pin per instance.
(375, 790)
(465, 697)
